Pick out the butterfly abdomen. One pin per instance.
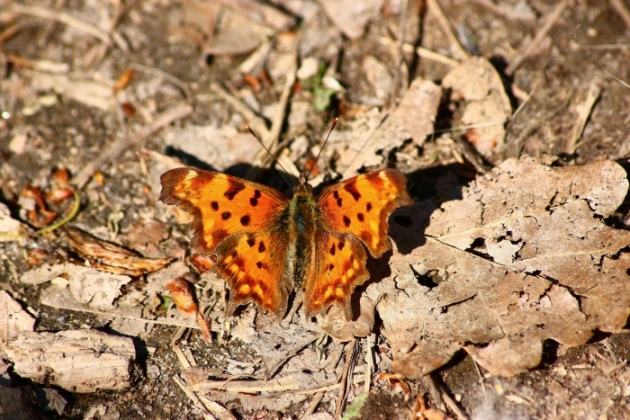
(303, 214)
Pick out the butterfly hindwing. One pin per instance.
(253, 266)
(362, 206)
(221, 205)
(337, 270)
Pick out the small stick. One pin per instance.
(369, 359)
(344, 376)
(217, 409)
(438, 13)
(166, 76)
(313, 405)
(622, 11)
(437, 57)
(193, 397)
(550, 20)
(63, 18)
(585, 110)
(177, 112)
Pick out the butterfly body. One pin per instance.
(266, 245)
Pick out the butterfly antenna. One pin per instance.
(275, 159)
(334, 124)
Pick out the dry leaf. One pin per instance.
(413, 119)
(522, 257)
(110, 257)
(485, 103)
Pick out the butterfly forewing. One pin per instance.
(363, 204)
(221, 205)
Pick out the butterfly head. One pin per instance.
(303, 186)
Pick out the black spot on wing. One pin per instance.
(234, 188)
(352, 189)
(254, 200)
(245, 220)
(214, 206)
(332, 249)
(251, 241)
(360, 217)
(346, 221)
(226, 215)
(261, 247)
(368, 207)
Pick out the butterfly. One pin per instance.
(267, 245)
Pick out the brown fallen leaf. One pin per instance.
(484, 104)
(110, 257)
(523, 256)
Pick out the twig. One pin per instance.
(217, 409)
(400, 59)
(369, 359)
(193, 397)
(550, 20)
(313, 405)
(584, 112)
(622, 11)
(344, 376)
(177, 112)
(63, 18)
(444, 396)
(270, 141)
(166, 76)
(181, 356)
(438, 13)
(437, 57)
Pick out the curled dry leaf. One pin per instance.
(184, 298)
(110, 257)
(523, 256)
(395, 380)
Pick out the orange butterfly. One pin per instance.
(267, 244)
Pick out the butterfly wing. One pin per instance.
(221, 205)
(237, 220)
(354, 211)
(338, 269)
(362, 205)
(253, 266)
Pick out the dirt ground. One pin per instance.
(118, 92)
